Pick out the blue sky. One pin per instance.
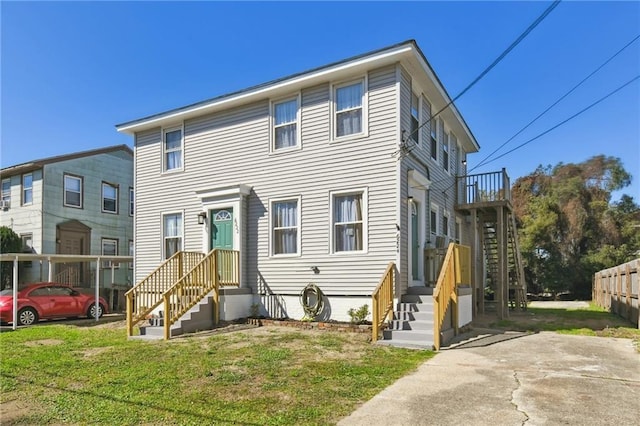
(72, 70)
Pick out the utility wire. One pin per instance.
(493, 64)
(484, 160)
(568, 119)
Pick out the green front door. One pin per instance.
(222, 229)
(415, 242)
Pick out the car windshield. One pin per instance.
(6, 292)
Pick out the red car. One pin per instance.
(49, 300)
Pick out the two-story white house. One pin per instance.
(322, 177)
(78, 204)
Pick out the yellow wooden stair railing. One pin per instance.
(456, 270)
(219, 268)
(145, 296)
(382, 301)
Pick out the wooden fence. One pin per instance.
(616, 289)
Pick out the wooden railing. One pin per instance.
(383, 301)
(219, 268)
(145, 296)
(618, 289)
(456, 270)
(483, 188)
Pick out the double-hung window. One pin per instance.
(131, 253)
(445, 152)
(285, 124)
(349, 225)
(285, 222)
(415, 119)
(109, 198)
(72, 191)
(172, 233)
(27, 188)
(132, 199)
(109, 248)
(172, 149)
(445, 224)
(434, 139)
(6, 190)
(349, 109)
(433, 219)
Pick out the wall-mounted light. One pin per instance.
(202, 218)
(315, 269)
(410, 198)
(464, 162)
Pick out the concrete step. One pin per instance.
(420, 290)
(416, 298)
(415, 336)
(406, 344)
(415, 307)
(413, 316)
(412, 325)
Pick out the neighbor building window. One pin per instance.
(285, 222)
(6, 190)
(349, 114)
(109, 248)
(433, 219)
(172, 234)
(349, 229)
(132, 199)
(445, 224)
(72, 191)
(27, 188)
(27, 247)
(109, 198)
(445, 152)
(285, 124)
(415, 119)
(434, 139)
(172, 146)
(131, 253)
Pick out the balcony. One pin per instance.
(483, 190)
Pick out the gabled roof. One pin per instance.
(408, 53)
(38, 164)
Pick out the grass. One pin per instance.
(588, 321)
(265, 376)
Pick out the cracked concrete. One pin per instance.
(537, 379)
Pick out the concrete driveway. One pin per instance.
(516, 379)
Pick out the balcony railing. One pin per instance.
(483, 188)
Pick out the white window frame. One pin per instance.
(433, 131)
(434, 227)
(165, 151)
(132, 200)
(272, 115)
(27, 248)
(107, 263)
(415, 138)
(446, 217)
(365, 220)
(6, 193)
(272, 228)
(446, 152)
(64, 190)
(117, 189)
(27, 188)
(363, 106)
(164, 236)
(132, 252)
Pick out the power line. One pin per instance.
(484, 160)
(568, 119)
(493, 64)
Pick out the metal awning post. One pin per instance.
(15, 292)
(50, 273)
(97, 302)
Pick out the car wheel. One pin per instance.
(27, 316)
(91, 312)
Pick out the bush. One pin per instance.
(359, 315)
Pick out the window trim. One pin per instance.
(132, 252)
(106, 264)
(364, 81)
(446, 232)
(102, 198)
(5, 195)
(24, 189)
(446, 152)
(298, 253)
(164, 237)
(433, 131)
(64, 190)
(417, 119)
(272, 124)
(365, 221)
(164, 151)
(434, 208)
(132, 201)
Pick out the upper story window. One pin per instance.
(285, 224)
(349, 109)
(445, 152)
(415, 119)
(132, 199)
(434, 139)
(348, 222)
(27, 188)
(72, 191)
(172, 149)
(433, 219)
(109, 248)
(109, 198)
(6, 190)
(172, 233)
(285, 124)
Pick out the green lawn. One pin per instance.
(92, 375)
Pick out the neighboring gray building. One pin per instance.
(326, 176)
(80, 203)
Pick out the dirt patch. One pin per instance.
(44, 342)
(88, 353)
(13, 410)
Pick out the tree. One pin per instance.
(10, 242)
(568, 227)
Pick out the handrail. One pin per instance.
(456, 269)
(219, 268)
(145, 296)
(382, 301)
(483, 187)
(70, 276)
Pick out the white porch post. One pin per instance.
(15, 292)
(50, 272)
(97, 286)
